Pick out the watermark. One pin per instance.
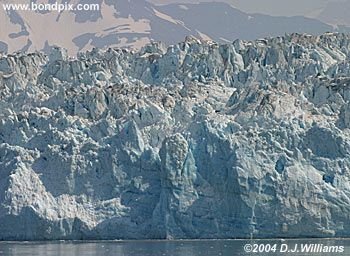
(53, 7)
(293, 248)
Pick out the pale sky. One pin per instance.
(271, 7)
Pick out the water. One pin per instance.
(172, 248)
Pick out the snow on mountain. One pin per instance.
(223, 22)
(135, 23)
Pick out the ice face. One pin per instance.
(198, 140)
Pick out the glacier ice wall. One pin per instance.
(195, 140)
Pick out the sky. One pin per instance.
(271, 7)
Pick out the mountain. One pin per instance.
(335, 13)
(198, 140)
(222, 22)
(135, 23)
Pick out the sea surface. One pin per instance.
(327, 247)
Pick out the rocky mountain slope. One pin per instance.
(135, 23)
(197, 140)
(334, 13)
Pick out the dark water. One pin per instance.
(176, 248)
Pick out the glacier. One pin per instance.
(193, 140)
